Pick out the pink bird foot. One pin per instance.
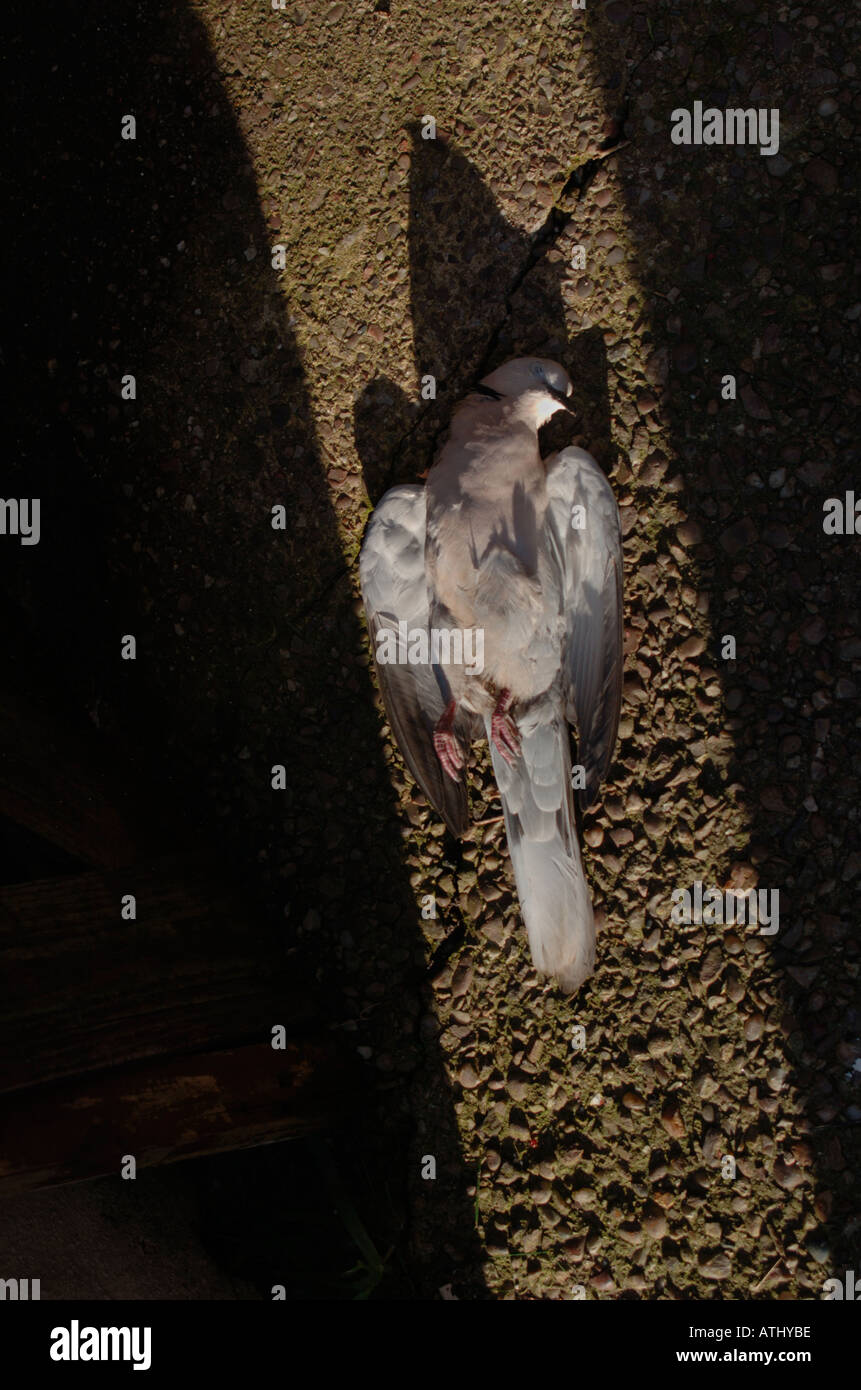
(503, 729)
(446, 746)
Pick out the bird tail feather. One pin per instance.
(537, 804)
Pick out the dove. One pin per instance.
(521, 560)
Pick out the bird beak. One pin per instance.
(563, 400)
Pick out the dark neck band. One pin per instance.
(489, 392)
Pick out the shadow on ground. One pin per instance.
(481, 292)
(151, 257)
(743, 260)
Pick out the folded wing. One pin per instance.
(588, 548)
(395, 591)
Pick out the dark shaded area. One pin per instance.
(24, 856)
(746, 260)
(151, 257)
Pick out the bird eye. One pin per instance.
(538, 370)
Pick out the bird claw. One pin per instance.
(506, 739)
(449, 752)
(446, 746)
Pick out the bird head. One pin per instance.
(539, 387)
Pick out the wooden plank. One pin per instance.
(53, 780)
(162, 1113)
(81, 989)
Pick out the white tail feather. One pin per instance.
(545, 855)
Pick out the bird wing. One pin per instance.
(395, 590)
(590, 563)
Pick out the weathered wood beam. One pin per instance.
(53, 781)
(165, 1111)
(81, 989)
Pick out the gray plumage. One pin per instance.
(488, 546)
